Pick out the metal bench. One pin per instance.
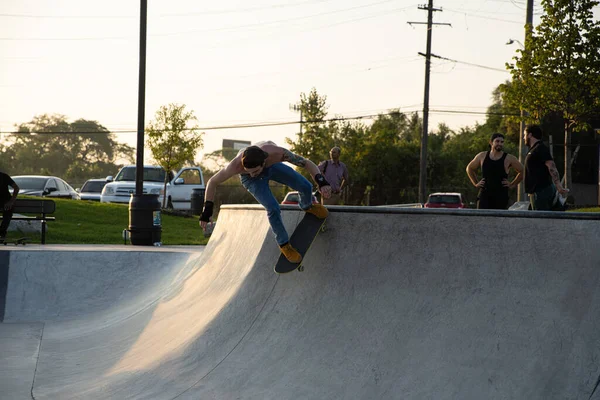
(41, 207)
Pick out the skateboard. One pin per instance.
(16, 242)
(303, 237)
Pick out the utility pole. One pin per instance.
(424, 137)
(528, 23)
(139, 164)
(296, 107)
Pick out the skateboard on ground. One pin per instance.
(16, 242)
(303, 237)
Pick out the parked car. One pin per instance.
(445, 200)
(179, 185)
(294, 198)
(45, 186)
(92, 189)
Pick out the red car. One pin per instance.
(294, 197)
(445, 200)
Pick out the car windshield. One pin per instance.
(150, 175)
(30, 183)
(292, 197)
(444, 198)
(93, 186)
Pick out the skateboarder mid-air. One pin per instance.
(259, 164)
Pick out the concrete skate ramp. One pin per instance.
(393, 304)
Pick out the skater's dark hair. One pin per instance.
(535, 131)
(254, 157)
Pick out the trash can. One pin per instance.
(197, 200)
(145, 226)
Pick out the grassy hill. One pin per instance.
(86, 222)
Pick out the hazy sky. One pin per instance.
(234, 62)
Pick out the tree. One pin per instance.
(504, 116)
(558, 72)
(50, 145)
(172, 142)
(314, 142)
(219, 159)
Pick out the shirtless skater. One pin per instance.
(259, 164)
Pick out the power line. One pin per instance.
(467, 63)
(243, 10)
(225, 29)
(189, 14)
(262, 24)
(483, 17)
(505, 114)
(269, 124)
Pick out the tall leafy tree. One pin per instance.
(314, 142)
(50, 145)
(558, 72)
(173, 138)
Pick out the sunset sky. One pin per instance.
(235, 62)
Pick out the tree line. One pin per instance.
(383, 157)
(75, 151)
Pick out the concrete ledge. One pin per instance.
(468, 212)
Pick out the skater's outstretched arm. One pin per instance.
(311, 167)
(217, 179)
(232, 169)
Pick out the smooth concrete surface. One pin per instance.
(393, 304)
(19, 346)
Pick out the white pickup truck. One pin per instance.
(179, 186)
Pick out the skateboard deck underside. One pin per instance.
(302, 238)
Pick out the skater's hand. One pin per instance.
(507, 184)
(563, 191)
(9, 204)
(204, 224)
(480, 184)
(206, 214)
(325, 191)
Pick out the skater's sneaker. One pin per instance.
(319, 211)
(291, 253)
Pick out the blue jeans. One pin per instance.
(259, 188)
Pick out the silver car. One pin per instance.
(45, 186)
(92, 189)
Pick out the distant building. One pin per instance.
(235, 144)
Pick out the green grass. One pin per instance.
(86, 222)
(590, 209)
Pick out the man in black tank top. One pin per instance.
(542, 181)
(495, 165)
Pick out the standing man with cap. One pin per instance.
(495, 165)
(259, 164)
(336, 174)
(542, 181)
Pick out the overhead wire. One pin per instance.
(470, 64)
(276, 123)
(195, 31)
(484, 17)
(188, 14)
